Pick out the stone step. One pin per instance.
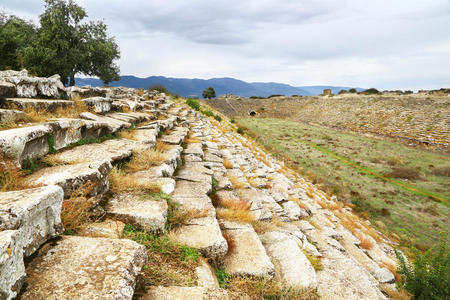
(113, 124)
(107, 228)
(188, 293)
(292, 268)
(19, 144)
(112, 150)
(247, 257)
(34, 213)
(98, 104)
(342, 276)
(176, 136)
(28, 219)
(12, 267)
(85, 268)
(140, 210)
(73, 177)
(11, 116)
(48, 105)
(30, 142)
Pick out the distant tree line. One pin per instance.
(62, 44)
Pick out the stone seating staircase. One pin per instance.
(302, 222)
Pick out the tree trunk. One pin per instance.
(72, 80)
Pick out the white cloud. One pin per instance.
(387, 44)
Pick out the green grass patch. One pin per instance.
(356, 168)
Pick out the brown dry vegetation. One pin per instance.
(145, 160)
(260, 289)
(119, 182)
(75, 210)
(405, 173)
(394, 293)
(162, 147)
(11, 177)
(237, 182)
(227, 164)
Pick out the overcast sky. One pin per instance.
(388, 44)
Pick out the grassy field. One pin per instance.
(403, 187)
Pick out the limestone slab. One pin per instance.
(141, 210)
(248, 256)
(12, 268)
(85, 268)
(34, 213)
(72, 177)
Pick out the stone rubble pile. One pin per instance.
(99, 264)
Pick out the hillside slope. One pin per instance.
(194, 87)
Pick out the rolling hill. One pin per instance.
(194, 87)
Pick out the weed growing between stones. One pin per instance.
(11, 177)
(264, 288)
(223, 277)
(315, 262)
(177, 216)
(119, 182)
(75, 210)
(179, 261)
(144, 160)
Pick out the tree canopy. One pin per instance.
(63, 44)
(209, 93)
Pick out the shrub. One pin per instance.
(233, 121)
(371, 91)
(353, 91)
(275, 95)
(240, 130)
(256, 97)
(160, 88)
(442, 171)
(404, 172)
(209, 93)
(428, 276)
(343, 92)
(218, 118)
(223, 277)
(207, 113)
(193, 103)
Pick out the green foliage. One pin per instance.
(85, 141)
(66, 46)
(371, 91)
(233, 121)
(160, 88)
(218, 118)
(428, 277)
(209, 93)
(275, 95)
(15, 35)
(188, 253)
(223, 277)
(193, 103)
(51, 144)
(29, 166)
(256, 97)
(207, 112)
(343, 92)
(240, 130)
(352, 90)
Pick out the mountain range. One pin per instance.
(194, 87)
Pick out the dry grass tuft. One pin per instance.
(192, 140)
(366, 243)
(127, 134)
(75, 210)
(394, 293)
(262, 226)
(264, 288)
(11, 177)
(237, 182)
(230, 241)
(298, 201)
(119, 182)
(315, 261)
(162, 147)
(237, 215)
(227, 164)
(146, 159)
